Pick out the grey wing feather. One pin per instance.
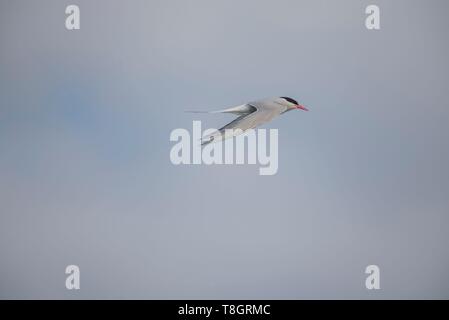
(239, 110)
(252, 120)
(260, 114)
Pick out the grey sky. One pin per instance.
(85, 175)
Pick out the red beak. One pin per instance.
(301, 107)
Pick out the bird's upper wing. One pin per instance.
(239, 110)
(260, 115)
(261, 112)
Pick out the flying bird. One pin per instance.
(250, 115)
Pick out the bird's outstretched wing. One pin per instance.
(239, 110)
(260, 115)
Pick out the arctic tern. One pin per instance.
(250, 115)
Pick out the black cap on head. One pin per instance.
(290, 100)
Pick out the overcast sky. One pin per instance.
(86, 179)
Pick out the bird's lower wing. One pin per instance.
(241, 124)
